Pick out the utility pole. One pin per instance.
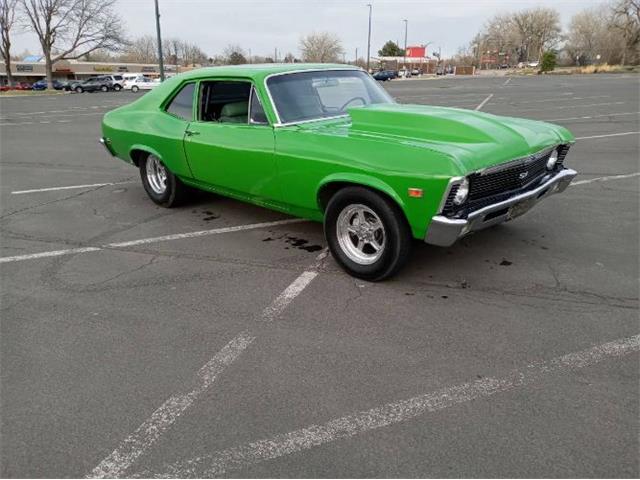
(369, 37)
(406, 26)
(275, 55)
(250, 56)
(355, 62)
(160, 57)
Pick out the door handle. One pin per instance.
(190, 133)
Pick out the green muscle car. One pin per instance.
(327, 143)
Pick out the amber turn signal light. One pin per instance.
(415, 192)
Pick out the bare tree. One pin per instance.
(321, 47)
(141, 50)
(192, 55)
(626, 19)
(70, 29)
(235, 55)
(538, 29)
(7, 21)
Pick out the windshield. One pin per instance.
(313, 95)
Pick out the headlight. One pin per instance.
(462, 193)
(553, 159)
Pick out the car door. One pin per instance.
(230, 147)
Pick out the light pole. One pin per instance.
(406, 26)
(160, 58)
(369, 37)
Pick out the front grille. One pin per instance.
(500, 182)
(512, 176)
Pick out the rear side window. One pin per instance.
(182, 104)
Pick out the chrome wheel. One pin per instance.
(360, 233)
(156, 175)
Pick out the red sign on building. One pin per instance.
(417, 52)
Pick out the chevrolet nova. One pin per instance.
(327, 143)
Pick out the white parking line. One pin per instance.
(165, 238)
(608, 135)
(287, 296)
(604, 179)
(506, 82)
(592, 116)
(70, 187)
(162, 418)
(222, 462)
(484, 102)
(136, 444)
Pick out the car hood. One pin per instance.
(475, 140)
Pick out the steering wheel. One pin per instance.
(364, 102)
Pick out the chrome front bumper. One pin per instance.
(444, 231)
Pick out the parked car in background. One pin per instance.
(416, 72)
(16, 86)
(117, 81)
(384, 75)
(533, 64)
(328, 143)
(141, 83)
(69, 85)
(42, 85)
(94, 84)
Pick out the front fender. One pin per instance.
(364, 180)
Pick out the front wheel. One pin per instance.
(162, 186)
(79, 90)
(367, 233)
(117, 87)
(104, 88)
(135, 89)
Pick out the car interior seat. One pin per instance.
(235, 112)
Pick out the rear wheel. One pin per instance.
(135, 88)
(79, 89)
(162, 186)
(367, 234)
(104, 88)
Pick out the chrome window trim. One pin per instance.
(279, 122)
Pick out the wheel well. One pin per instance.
(330, 189)
(137, 155)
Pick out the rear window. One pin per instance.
(117, 77)
(182, 104)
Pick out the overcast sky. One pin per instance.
(264, 25)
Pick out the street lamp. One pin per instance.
(406, 26)
(160, 59)
(369, 37)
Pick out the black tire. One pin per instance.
(104, 88)
(79, 89)
(135, 89)
(175, 191)
(397, 234)
(117, 87)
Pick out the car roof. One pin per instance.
(261, 70)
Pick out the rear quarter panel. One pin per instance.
(156, 132)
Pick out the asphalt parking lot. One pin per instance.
(247, 353)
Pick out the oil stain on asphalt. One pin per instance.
(295, 242)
